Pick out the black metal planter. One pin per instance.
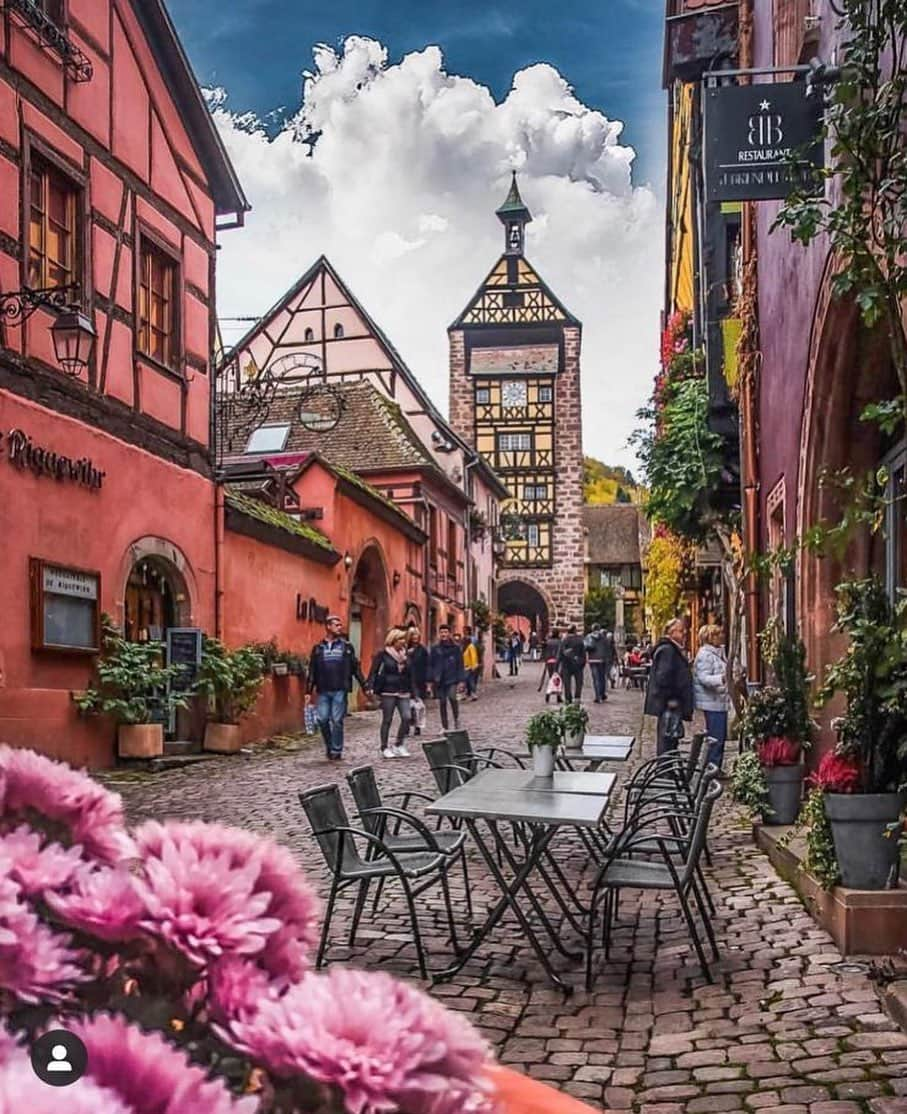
(785, 792)
(868, 854)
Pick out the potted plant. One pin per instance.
(777, 725)
(132, 686)
(231, 680)
(543, 736)
(574, 722)
(865, 799)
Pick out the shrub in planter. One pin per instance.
(132, 686)
(864, 807)
(544, 734)
(777, 725)
(181, 954)
(231, 680)
(574, 722)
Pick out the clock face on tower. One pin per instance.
(513, 393)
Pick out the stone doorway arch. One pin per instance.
(849, 367)
(158, 590)
(369, 603)
(521, 598)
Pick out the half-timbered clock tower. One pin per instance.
(515, 395)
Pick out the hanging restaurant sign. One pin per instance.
(761, 141)
(25, 454)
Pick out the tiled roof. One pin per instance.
(698, 5)
(256, 508)
(372, 433)
(614, 534)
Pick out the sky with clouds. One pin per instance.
(418, 112)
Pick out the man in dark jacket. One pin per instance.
(670, 687)
(572, 663)
(600, 649)
(448, 674)
(332, 667)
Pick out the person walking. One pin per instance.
(533, 645)
(390, 680)
(710, 689)
(600, 661)
(333, 666)
(447, 675)
(572, 662)
(669, 694)
(551, 653)
(418, 676)
(514, 653)
(472, 666)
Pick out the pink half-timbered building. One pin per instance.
(113, 183)
(319, 331)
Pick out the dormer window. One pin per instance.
(268, 439)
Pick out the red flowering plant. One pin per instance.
(836, 774)
(181, 955)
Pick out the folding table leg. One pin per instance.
(535, 848)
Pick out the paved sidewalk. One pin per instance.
(787, 1027)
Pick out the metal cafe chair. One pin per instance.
(340, 845)
(621, 872)
(376, 816)
(463, 754)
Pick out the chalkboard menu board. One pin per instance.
(65, 608)
(184, 648)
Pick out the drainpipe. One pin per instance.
(749, 445)
(219, 514)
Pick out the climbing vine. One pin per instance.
(666, 563)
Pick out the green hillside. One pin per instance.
(605, 483)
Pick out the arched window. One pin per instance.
(338, 331)
(309, 334)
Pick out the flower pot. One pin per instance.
(517, 1094)
(140, 740)
(867, 856)
(574, 739)
(785, 792)
(543, 761)
(223, 738)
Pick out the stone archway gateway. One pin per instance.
(523, 598)
(158, 590)
(369, 603)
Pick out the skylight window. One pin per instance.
(268, 439)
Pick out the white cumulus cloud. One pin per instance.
(394, 173)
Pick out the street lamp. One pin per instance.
(74, 336)
(72, 331)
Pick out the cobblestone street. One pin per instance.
(787, 1027)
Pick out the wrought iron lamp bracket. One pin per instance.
(17, 306)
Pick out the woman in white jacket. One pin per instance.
(710, 690)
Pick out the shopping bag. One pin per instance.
(555, 685)
(310, 719)
(417, 712)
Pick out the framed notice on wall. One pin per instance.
(65, 608)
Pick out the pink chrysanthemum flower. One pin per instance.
(103, 902)
(196, 898)
(237, 987)
(282, 895)
(148, 1074)
(93, 816)
(385, 1045)
(36, 963)
(35, 867)
(21, 1089)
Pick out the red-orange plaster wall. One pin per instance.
(141, 496)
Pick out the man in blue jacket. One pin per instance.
(448, 675)
(332, 667)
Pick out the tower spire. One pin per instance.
(514, 215)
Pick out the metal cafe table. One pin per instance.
(540, 807)
(608, 748)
